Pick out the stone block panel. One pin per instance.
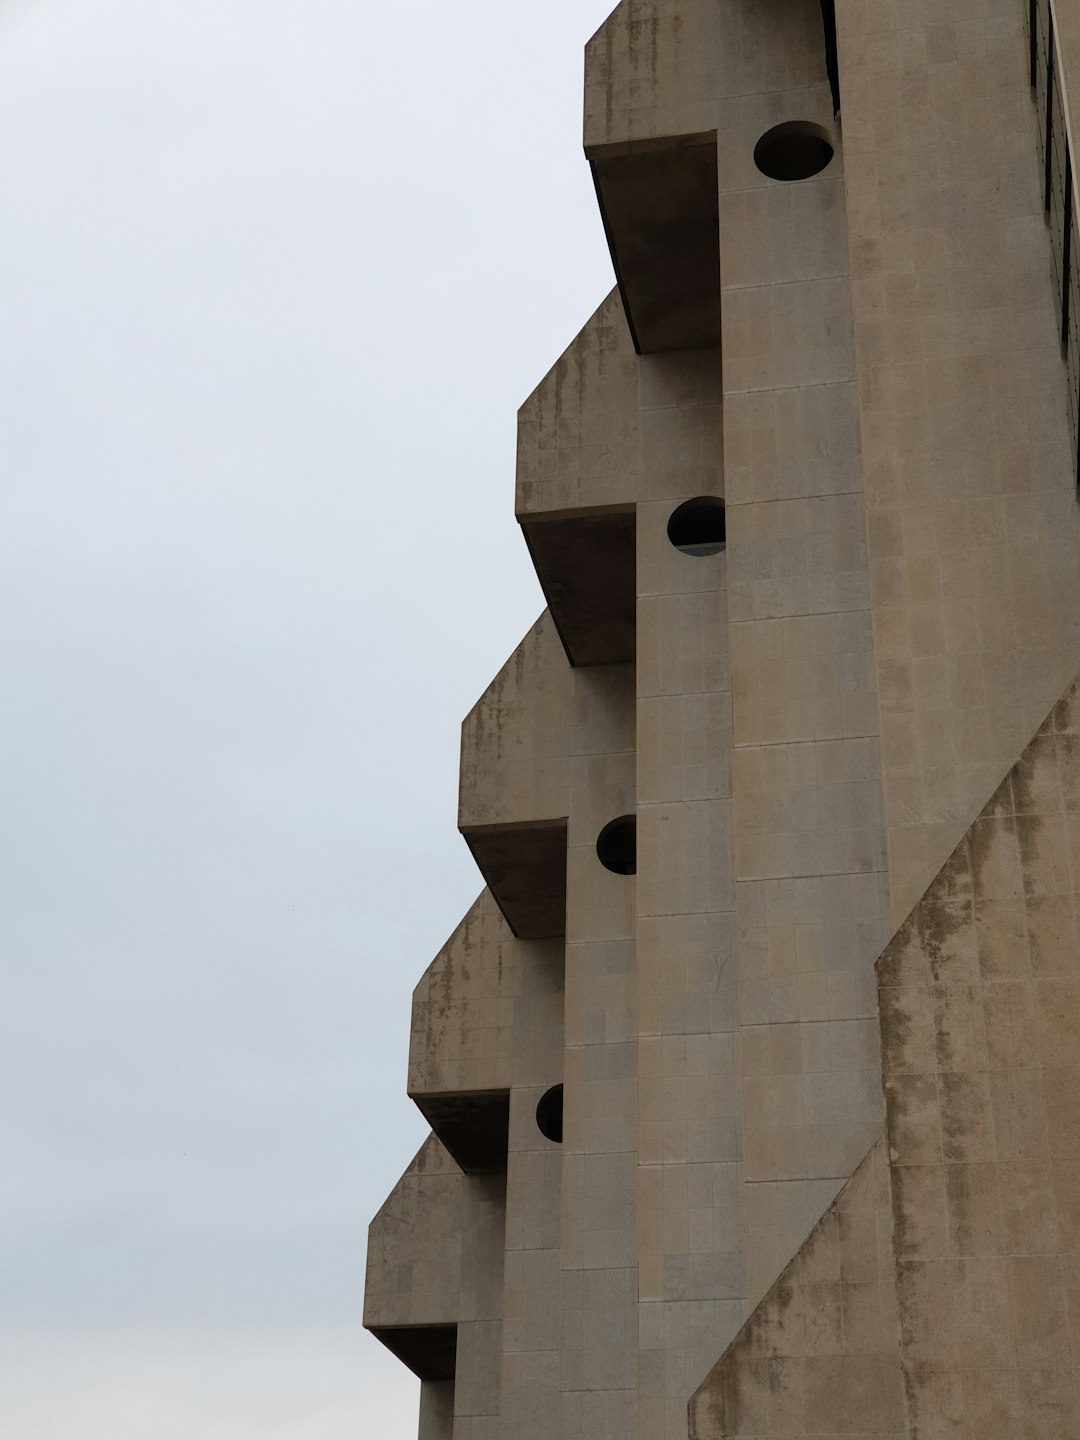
(435, 1279)
(514, 740)
(486, 1010)
(980, 997)
(791, 444)
(654, 71)
(969, 465)
(820, 1355)
(606, 428)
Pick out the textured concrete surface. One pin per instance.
(960, 1294)
(967, 456)
(811, 1196)
(819, 1354)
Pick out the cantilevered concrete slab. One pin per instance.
(603, 432)
(585, 563)
(514, 791)
(482, 988)
(652, 148)
(661, 83)
(434, 1275)
(658, 201)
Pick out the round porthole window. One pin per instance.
(698, 527)
(616, 845)
(795, 150)
(549, 1114)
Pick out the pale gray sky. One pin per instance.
(274, 277)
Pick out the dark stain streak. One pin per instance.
(896, 1031)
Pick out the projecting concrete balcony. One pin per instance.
(514, 788)
(650, 137)
(434, 1266)
(660, 207)
(604, 432)
(463, 1026)
(661, 82)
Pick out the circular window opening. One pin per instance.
(793, 151)
(549, 1114)
(616, 845)
(698, 527)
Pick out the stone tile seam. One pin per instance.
(851, 379)
(813, 740)
(778, 185)
(815, 875)
(788, 499)
(785, 285)
(678, 914)
(802, 614)
(693, 694)
(803, 385)
(832, 1020)
(618, 25)
(798, 1180)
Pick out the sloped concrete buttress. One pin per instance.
(949, 1304)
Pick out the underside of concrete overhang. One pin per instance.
(474, 1127)
(585, 563)
(659, 202)
(525, 870)
(429, 1351)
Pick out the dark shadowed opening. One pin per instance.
(472, 1125)
(549, 1114)
(698, 527)
(832, 64)
(616, 845)
(795, 150)
(430, 1351)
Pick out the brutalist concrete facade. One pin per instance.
(819, 1038)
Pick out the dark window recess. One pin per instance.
(698, 527)
(832, 64)
(549, 1114)
(616, 845)
(795, 150)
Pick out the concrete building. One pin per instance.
(753, 1074)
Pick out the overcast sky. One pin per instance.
(274, 277)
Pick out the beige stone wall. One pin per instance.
(689, 1242)
(435, 1257)
(967, 460)
(487, 1013)
(1067, 31)
(529, 1396)
(981, 1011)
(819, 1355)
(655, 70)
(598, 1250)
(812, 903)
(513, 742)
(976, 1200)
(813, 721)
(606, 428)
(436, 1410)
(529, 1405)
(463, 1008)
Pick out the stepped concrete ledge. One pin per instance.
(484, 991)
